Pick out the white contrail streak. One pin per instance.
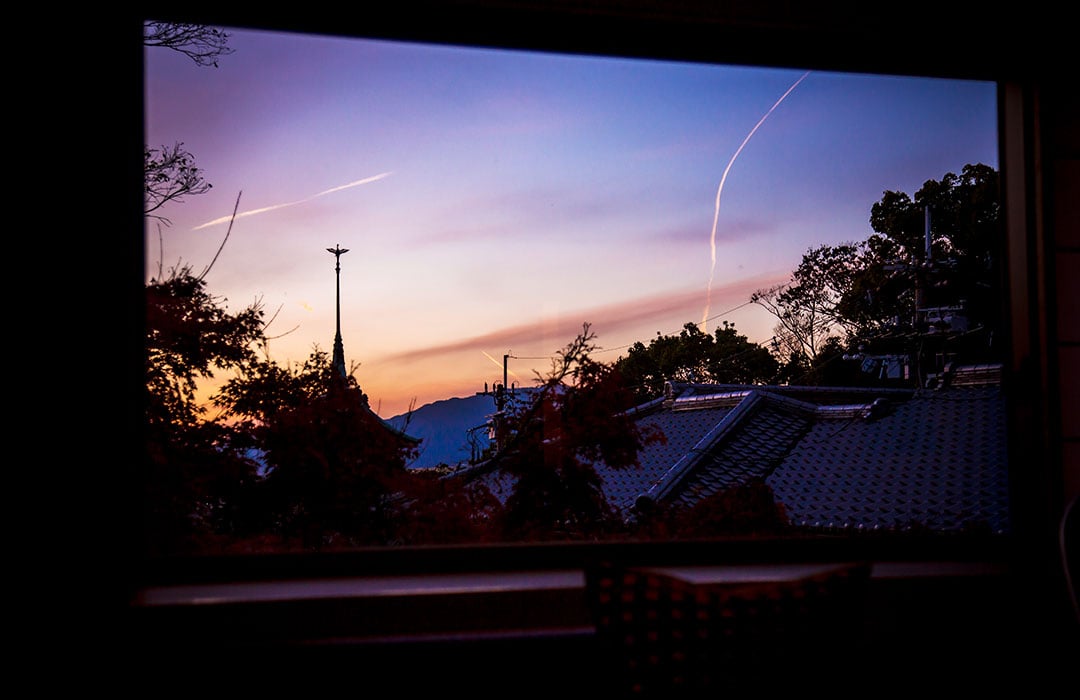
(252, 212)
(498, 364)
(720, 189)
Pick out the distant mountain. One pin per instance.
(444, 428)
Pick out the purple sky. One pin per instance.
(493, 201)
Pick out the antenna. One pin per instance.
(929, 244)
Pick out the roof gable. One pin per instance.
(836, 458)
(859, 459)
(936, 461)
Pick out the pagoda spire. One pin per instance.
(339, 348)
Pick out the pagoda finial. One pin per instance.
(339, 348)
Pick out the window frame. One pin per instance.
(747, 34)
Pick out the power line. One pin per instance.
(711, 318)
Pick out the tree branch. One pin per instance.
(200, 43)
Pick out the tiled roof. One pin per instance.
(856, 459)
(937, 461)
(683, 432)
(903, 459)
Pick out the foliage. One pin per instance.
(261, 389)
(331, 465)
(739, 511)
(333, 468)
(857, 293)
(574, 420)
(963, 264)
(442, 509)
(189, 335)
(726, 357)
(806, 308)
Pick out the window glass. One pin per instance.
(407, 294)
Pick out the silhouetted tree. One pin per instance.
(964, 258)
(169, 172)
(201, 43)
(261, 388)
(574, 420)
(854, 294)
(190, 335)
(192, 469)
(170, 175)
(334, 468)
(806, 307)
(828, 368)
(444, 508)
(726, 357)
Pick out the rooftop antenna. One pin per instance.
(920, 282)
(929, 244)
(339, 348)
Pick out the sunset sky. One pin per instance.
(493, 201)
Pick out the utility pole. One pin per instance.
(339, 348)
(505, 384)
(922, 276)
(501, 394)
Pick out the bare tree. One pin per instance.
(170, 174)
(198, 42)
(802, 328)
(807, 306)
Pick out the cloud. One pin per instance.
(556, 208)
(670, 308)
(252, 212)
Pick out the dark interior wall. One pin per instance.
(1063, 212)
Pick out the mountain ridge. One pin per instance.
(444, 428)
(452, 431)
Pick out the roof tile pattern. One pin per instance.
(936, 461)
(682, 430)
(751, 452)
(836, 460)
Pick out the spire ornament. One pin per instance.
(339, 348)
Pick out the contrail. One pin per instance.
(252, 212)
(498, 364)
(720, 189)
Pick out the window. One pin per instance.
(496, 200)
(1005, 103)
